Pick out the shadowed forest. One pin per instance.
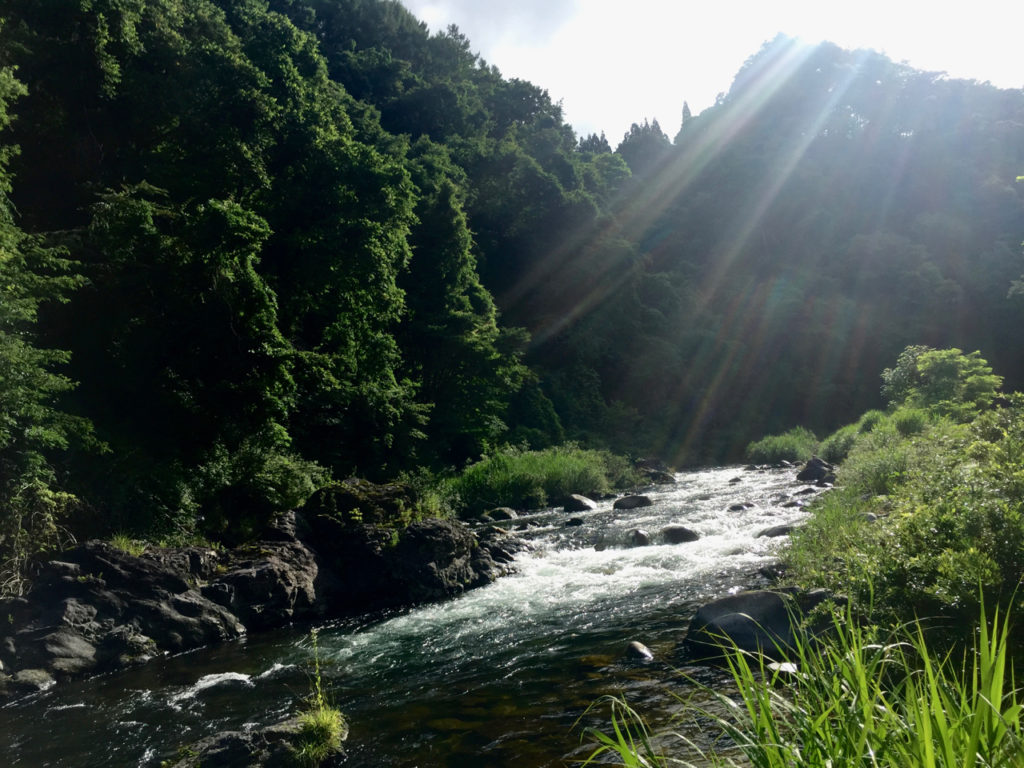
(248, 246)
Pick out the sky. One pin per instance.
(612, 64)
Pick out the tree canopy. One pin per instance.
(259, 243)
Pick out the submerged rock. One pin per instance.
(638, 651)
(678, 534)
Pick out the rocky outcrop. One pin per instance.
(96, 608)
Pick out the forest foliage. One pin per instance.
(250, 245)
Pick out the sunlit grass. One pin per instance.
(533, 479)
(322, 727)
(856, 700)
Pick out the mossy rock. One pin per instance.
(357, 501)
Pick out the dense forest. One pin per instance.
(248, 245)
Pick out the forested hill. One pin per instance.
(248, 243)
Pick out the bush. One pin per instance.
(910, 421)
(870, 420)
(798, 444)
(836, 447)
(531, 479)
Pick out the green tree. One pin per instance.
(944, 380)
(33, 507)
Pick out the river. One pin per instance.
(499, 677)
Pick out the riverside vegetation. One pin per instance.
(924, 534)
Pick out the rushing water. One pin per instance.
(498, 677)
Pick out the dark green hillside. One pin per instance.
(274, 242)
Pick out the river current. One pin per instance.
(501, 676)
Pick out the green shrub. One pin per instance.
(836, 447)
(798, 444)
(870, 420)
(531, 479)
(910, 421)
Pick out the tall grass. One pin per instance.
(858, 701)
(531, 479)
(798, 444)
(322, 727)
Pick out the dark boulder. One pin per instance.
(632, 502)
(776, 531)
(274, 746)
(574, 522)
(661, 478)
(759, 621)
(269, 584)
(638, 537)
(577, 503)
(814, 470)
(678, 534)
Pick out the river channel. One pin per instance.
(500, 676)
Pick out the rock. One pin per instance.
(502, 513)
(758, 621)
(678, 534)
(96, 608)
(32, 680)
(638, 537)
(740, 506)
(269, 584)
(793, 503)
(355, 501)
(577, 503)
(651, 464)
(661, 478)
(775, 531)
(735, 480)
(632, 502)
(270, 747)
(574, 522)
(814, 470)
(805, 491)
(638, 651)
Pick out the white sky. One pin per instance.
(615, 63)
